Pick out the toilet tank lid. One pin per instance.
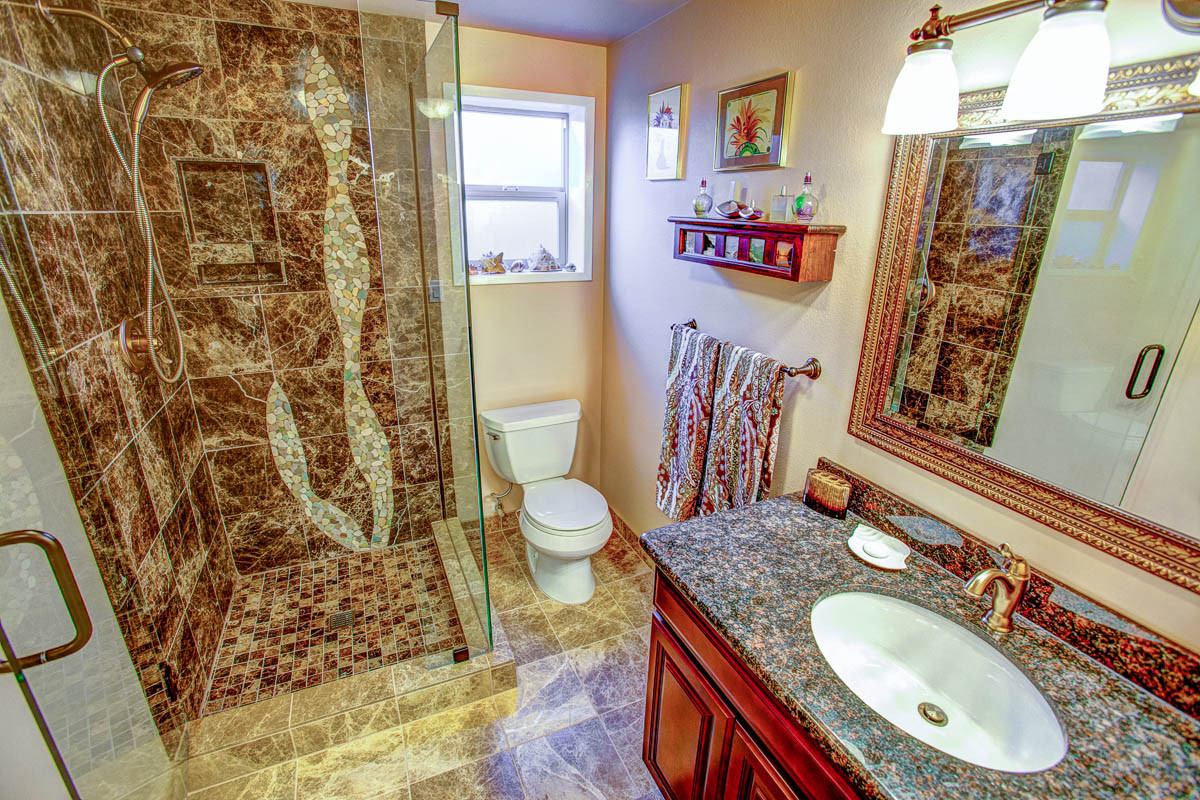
(532, 416)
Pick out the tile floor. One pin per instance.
(276, 639)
(572, 727)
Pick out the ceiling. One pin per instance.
(592, 21)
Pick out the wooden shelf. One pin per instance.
(784, 250)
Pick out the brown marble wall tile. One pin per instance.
(19, 250)
(160, 464)
(1002, 191)
(61, 52)
(223, 335)
(958, 182)
(976, 317)
(185, 430)
(950, 418)
(171, 38)
(156, 593)
(302, 242)
(931, 321)
(134, 510)
(188, 673)
(392, 154)
(988, 258)
(379, 384)
(98, 512)
(1030, 253)
(115, 280)
(922, 362)
(386, 67)
(32, 169)
(296, 164)
(376, 341)
(264, 69)
(204, 505)
(332, 470)
(165, 139)
(206, 617)
(335, 20)
(265, 12)
(402, 267)
(93, 385)
(316, 396)
(414, 392)
(388, 26)
(913, 405)
(87, 166)
(232, 410)
(345, 56)
(406, 322)
(185, 548)
(60, 265)
(945, 249)
(192, 8)
(424, 508)
(961, 374)
(997, 385)
(262, 541)
(1018, 311)
(302, 330)
(246, 481)
(420, 454)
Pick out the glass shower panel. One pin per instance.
(412, 96)
(90, 701)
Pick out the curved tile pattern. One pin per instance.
(347, 277)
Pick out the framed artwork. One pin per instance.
(752, 121)
(666, 133)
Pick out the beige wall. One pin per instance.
(541, 341)
(844, 66)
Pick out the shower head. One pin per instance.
(172, 75)
(168, 77)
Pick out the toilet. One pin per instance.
(564, 521)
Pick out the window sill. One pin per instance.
(530, 277)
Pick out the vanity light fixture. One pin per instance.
(1062, 73)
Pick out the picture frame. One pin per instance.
(666, 133)
(752, 124)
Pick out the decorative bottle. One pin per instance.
(703, 202)
(805, 206)
(781, 205)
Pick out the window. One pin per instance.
(527, 169)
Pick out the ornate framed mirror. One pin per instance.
(1028, 329)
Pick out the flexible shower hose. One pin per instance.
(142, 212)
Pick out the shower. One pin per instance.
(139, 348)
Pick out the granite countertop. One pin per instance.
(755, 573)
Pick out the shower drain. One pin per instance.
(339, 619)
(933, 714)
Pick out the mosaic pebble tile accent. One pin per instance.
(276, 640)
(347, 277)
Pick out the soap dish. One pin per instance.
(877, 548)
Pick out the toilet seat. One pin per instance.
(564, 507)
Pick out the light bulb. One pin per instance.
(1194, 89)
(1064, 69)
(924, 97)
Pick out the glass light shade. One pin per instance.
(1064, 70)
(1194, 89)
(925, 95)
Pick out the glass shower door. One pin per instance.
(89, 704)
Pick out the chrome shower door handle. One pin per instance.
(70, 593)
(1159, 351)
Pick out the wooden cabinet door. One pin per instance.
(751, 775)
(688, 725)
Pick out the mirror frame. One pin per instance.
(1135, 90)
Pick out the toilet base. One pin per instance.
(568, 581)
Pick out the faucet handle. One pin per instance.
(1013, 564)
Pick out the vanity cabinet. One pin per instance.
(713, 731)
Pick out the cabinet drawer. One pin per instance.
(751, 774)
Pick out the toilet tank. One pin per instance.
(534, 442)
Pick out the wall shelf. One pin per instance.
(784, 250)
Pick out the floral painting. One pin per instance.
(666, 118)
(751, 122)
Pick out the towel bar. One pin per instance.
(810, 368)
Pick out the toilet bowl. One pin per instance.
(563, 520)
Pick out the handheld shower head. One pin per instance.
(168, 77)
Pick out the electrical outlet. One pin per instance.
(435, 291)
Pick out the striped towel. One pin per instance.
(745, 429)
(691, 374)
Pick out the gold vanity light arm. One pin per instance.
(938, 26)
(1008, 587)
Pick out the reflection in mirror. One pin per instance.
(1055, 278)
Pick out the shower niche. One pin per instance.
(232, 233)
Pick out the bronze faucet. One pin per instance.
(1008, 587)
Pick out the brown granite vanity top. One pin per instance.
(755, 573)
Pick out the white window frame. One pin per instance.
(576, 200)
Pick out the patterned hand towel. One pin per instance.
(691, 375)
(745, 429)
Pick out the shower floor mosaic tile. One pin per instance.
(276, 638)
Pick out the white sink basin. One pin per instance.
(899, 658)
